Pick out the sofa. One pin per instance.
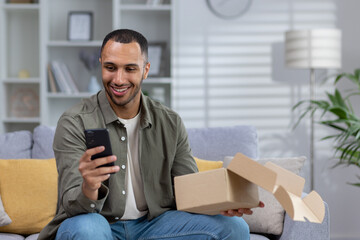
(211, 144)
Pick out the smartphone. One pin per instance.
(99, 137)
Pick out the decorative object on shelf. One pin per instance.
(91, 62)
(80, 25)
(345, 122)
(156, 55)
(20, 1)
(24, 103)
(228, 9)
(313, 49)
(23, 73)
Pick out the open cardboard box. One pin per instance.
(236, 187)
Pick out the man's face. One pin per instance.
(123, 70)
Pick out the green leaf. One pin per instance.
(328, 137)
(355, 78)
(339, 112)
(355, 184)
(357, 137)
(357, 73)
(298, 104)
(339, 77)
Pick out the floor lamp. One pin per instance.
(313, 49)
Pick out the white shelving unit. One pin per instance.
(20, 66)
(33, 35)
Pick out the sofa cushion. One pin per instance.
(16, 145)
(32, 237)
(11, 236)
(43, 139)
(257, 237)
(270, 219)
(217, 143)
(28, 188)
(206, 165)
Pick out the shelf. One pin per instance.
(145, 7)
(21, 7)
(74, 44)
(22, 120)
(152, 80)
(21, 80)
(66, 95)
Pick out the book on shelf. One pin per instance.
(53, 87)
(60, 78)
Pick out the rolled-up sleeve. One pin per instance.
(184, 162)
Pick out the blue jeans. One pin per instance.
(169, 225)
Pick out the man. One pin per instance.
(150, 147)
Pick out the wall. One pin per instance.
(342, 198)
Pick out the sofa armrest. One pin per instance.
(306, 230)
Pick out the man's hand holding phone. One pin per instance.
(97, 163)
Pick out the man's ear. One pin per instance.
(146, 70)
(100, 60)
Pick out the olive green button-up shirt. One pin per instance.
(164, 154)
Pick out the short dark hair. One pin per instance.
(128, 36)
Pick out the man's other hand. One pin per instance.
(241, 211)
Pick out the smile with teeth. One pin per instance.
(120, 90)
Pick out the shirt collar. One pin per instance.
(145, 117)
(106, 109)
(110, 115)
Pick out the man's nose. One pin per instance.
(120, 77)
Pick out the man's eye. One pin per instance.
(110, 68)
(130, 69)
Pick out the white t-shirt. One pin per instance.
(136, 205)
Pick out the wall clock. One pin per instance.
(228, 9)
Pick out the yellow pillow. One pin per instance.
(28, 188)
(206, 165)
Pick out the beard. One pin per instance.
(123, 102)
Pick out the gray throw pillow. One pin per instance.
(4, 218)
(16, 144)
(43, 139)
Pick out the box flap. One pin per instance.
(311, 208)
(286, 186)
(287, 179)
(253, 172)
(316, 204)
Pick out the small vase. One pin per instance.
(94, 85)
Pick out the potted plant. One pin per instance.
(343, 119)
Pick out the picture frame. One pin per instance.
(80, 26)
(156, 57)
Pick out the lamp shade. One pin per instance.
(316, 48)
